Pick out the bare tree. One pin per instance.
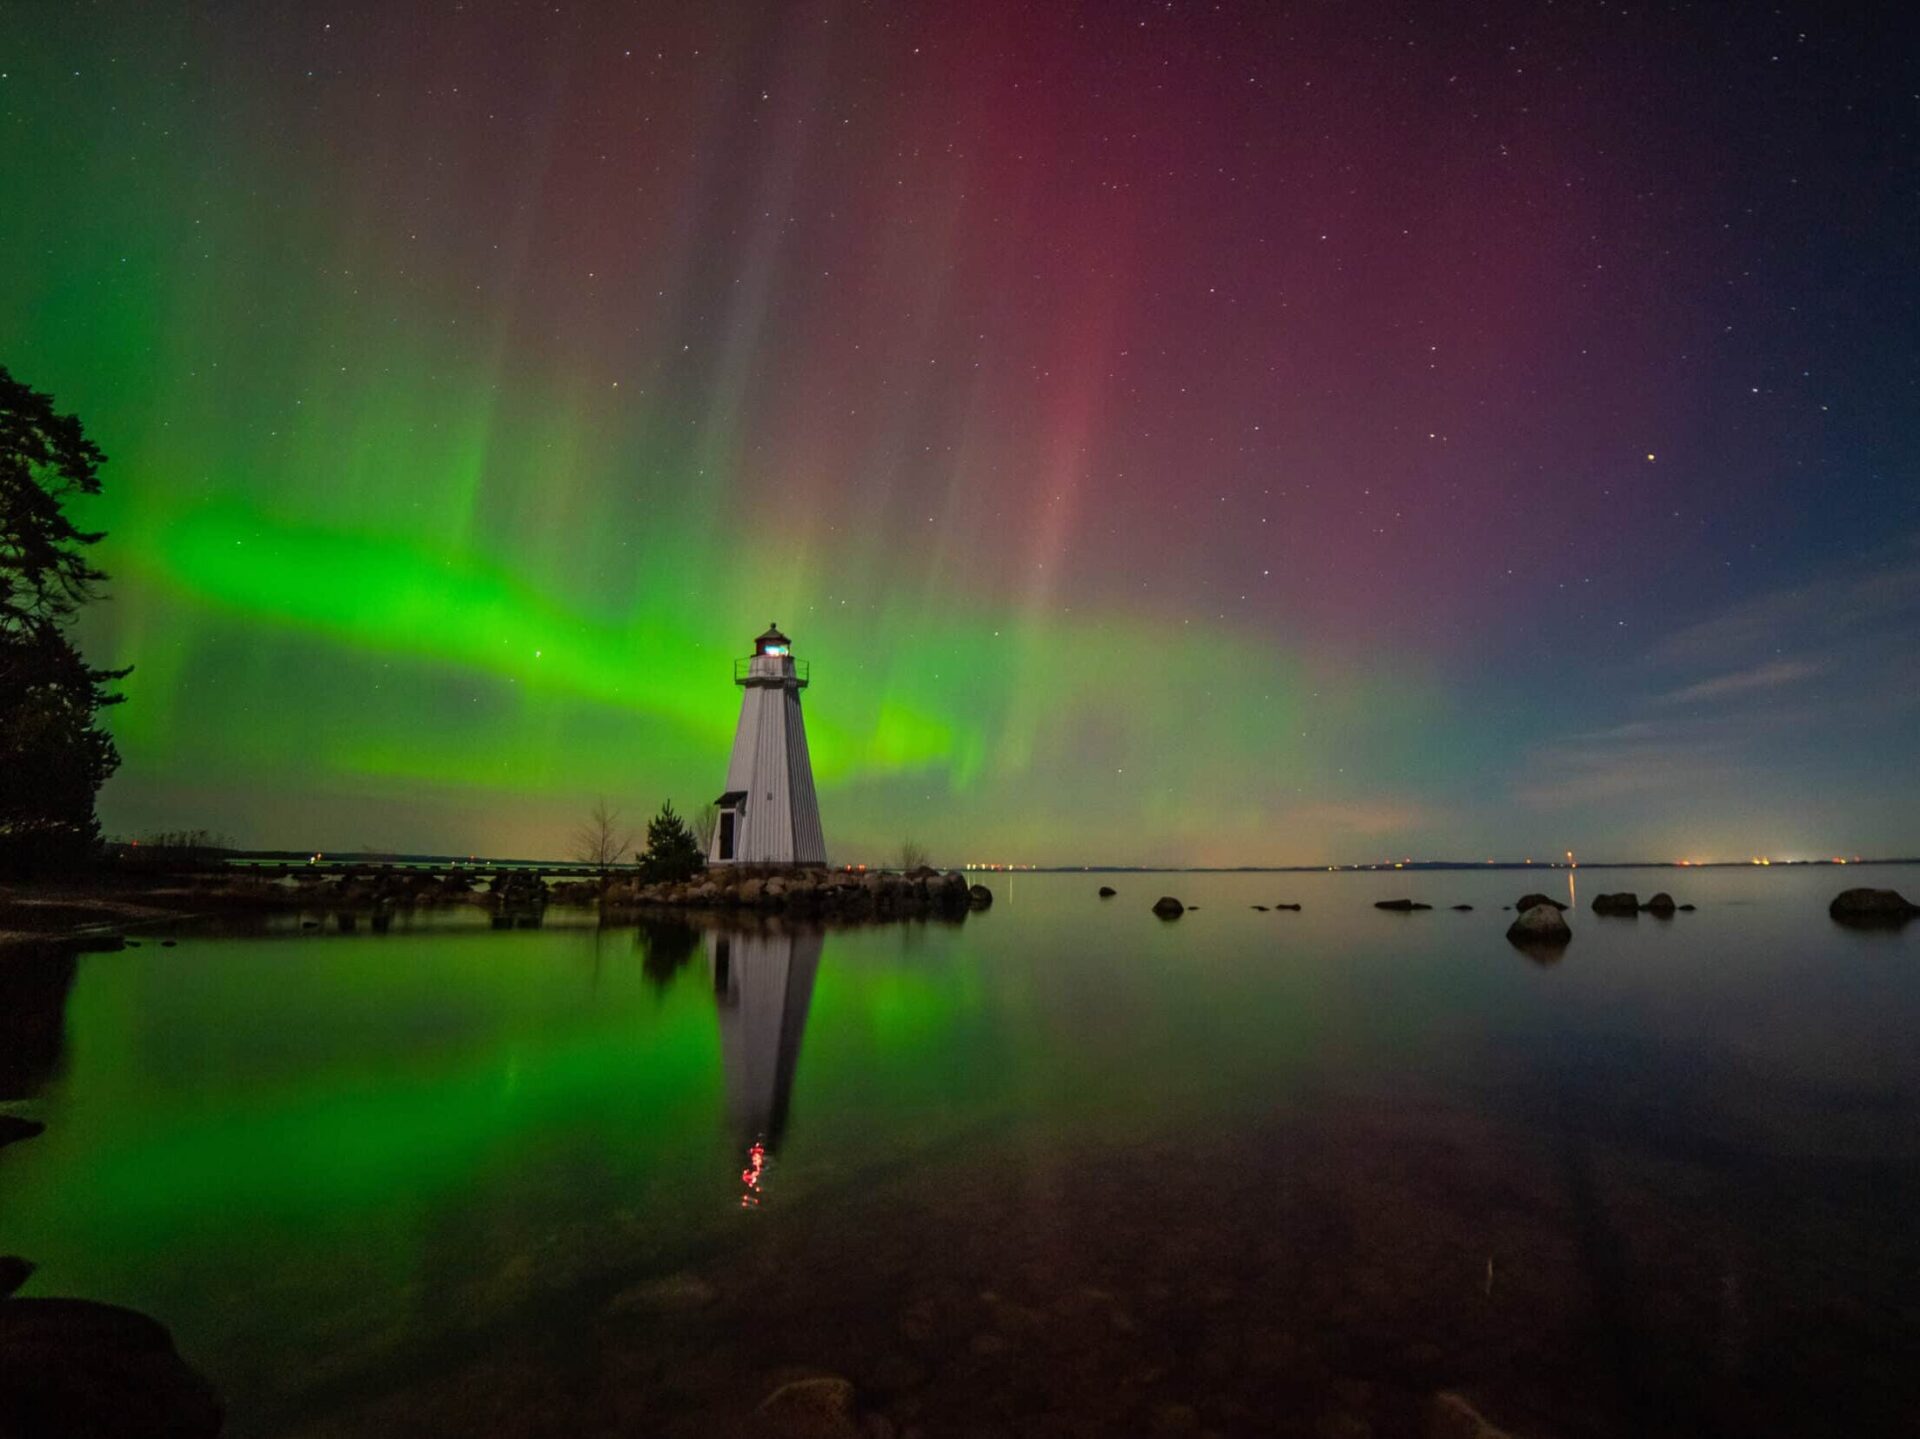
(913, 855)
(704, 823)
(602, 840)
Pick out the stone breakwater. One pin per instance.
(835, 894)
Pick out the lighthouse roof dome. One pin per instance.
(770, 639)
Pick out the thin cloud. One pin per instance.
(1803, 617)
(1760, 677)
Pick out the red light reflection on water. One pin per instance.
(751, 1175)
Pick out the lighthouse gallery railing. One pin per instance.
(743, 671)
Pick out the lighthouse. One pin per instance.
(769, 815)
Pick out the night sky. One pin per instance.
(1195, 433)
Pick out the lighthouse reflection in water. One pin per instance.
(762, 985)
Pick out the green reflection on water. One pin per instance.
(314, 1156)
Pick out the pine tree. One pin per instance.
(672, 853)
(53, 754)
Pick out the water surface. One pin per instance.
(1063, 1168)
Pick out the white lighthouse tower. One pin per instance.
(769, 815)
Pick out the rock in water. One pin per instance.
(1261, 907)
(1400, 906)
(73, 1367)
(13, 1127)
(1661, 906)
(1287, 906)
(1871, 907)
(979, 897)
(1624, 902)
(1463, 907)
(822, 1407)
(1167, 907)
(1541, 925)
(1107, 891)
(1450, 1417)
(672, 1292)
(1528, 901)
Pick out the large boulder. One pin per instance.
(1167, 907)
(71, 1367)
(979, 897)
(1400, 906)
(1661, 906)
(1871, 907)
(1542, 924)
(1625, 902)
(1528, 901)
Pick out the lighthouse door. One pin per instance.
(726, 834)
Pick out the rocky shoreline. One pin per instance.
(101, 913)
(830, 894)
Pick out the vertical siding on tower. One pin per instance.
(809, 842)
(780, 819)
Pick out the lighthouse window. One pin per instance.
(777, 649)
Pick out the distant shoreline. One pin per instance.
(349, 861)
(1431, 864)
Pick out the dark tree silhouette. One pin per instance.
(53, 754)
(602, 839)
(672, 853)
(670, 946)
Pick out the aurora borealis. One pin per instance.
(1202, 434)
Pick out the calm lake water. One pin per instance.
(1062, 1168)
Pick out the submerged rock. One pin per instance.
(680, 1291)
(1624, 903)
(1449, 1416)
(74, 1367)
(1871, 907)
(14, 1271)
(1107, 891)
(1261, 907)
(1661, 906)
(1287, 906)
(1400, 906)
(1539, 926)
(1528, 901)
(1463, 907)
(1167, 907)
(822, 1406)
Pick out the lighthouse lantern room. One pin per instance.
(769, 815)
